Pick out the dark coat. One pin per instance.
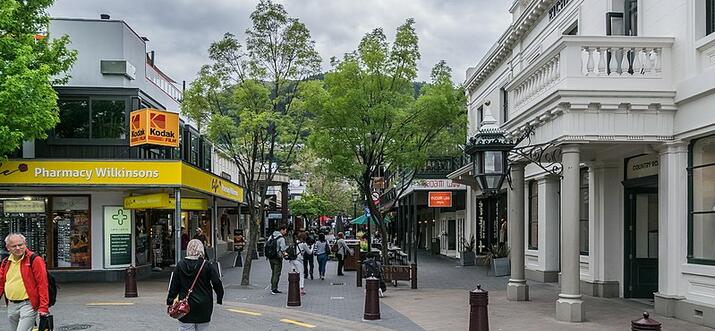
(201, 299)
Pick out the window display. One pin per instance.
(71, 235)
(25, 215)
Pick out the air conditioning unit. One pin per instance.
(118, 67)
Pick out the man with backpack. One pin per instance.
(275, 250)
(24, 282)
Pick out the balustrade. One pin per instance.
(621, 61)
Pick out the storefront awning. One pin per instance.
(130, 174)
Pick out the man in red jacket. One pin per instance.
(24, 287)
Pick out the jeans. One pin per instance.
(341, 262)
(322, 260)
(308, 262)
(21, 316)
(276, 267)
(193, 326)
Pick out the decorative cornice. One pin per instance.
(506, 42)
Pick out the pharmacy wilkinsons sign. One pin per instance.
(557, 7)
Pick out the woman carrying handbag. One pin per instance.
(190, 299)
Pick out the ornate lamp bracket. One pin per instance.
(545, 156)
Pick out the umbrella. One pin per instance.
(362, 220)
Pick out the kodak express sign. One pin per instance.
(153, 127)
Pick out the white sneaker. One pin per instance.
(379, 292)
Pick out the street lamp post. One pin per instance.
(491, 151)
(355, 197)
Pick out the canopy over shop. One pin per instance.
(56, 201)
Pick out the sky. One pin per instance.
(180, 31)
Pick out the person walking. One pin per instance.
(275, 251)
(24, 283)
(195, 267)
(308, 256)
(296, 264)
(343, 252)
(321, 249)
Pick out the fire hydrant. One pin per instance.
(130, 282)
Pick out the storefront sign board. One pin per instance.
(70, 203)
(120, 173)
(117, 237)
(23, 206)
(642, 166)
(147, 201)
(440, 199)
(153, 127)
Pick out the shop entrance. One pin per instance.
(641, 240)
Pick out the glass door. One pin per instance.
(641, 242)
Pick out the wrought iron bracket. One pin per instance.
(545, 156)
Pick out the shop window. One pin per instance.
(74, 118)
(27, 216)
(533, 215)
(108, 119)
(71, 241)
(584, 212)
(701, 218)
(709, 16)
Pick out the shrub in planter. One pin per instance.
(467, 256)
(498, 259)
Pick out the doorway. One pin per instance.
(641, 241)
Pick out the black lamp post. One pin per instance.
(355, 198)
(489, 150)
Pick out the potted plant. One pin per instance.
(498, 258)
(467, 257)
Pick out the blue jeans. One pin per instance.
(322, 260)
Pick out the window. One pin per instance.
(71, 234)
(480, 116)
(505, 105)
(108, 119)
(205, 154)
(533, 215)
(701, 218)
(709, 16)
(74, 118)
(584, 212)
(572, 30)
(83, 118)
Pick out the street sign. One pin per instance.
(376, 198)
(378, 183)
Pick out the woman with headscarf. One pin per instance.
(201, 298)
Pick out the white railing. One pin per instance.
(541, 79)
(593, 63)
(621, 61)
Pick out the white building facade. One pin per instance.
(625, 90)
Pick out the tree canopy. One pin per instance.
(249, 101)
(31, 63)
(370, 122)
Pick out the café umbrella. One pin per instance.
(362, 220)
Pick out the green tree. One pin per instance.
(310, 207)
(249, 101)
(370, 122)
(31, 64)
(334, 189)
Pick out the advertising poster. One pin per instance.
(117, 237)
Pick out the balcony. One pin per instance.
(594, 66)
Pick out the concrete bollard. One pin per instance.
(130, 282)
(372, 299)
(293, 289)
(478, 314)
(645, 323)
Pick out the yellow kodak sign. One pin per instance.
(153, 127)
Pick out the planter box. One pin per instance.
(482, 260)
(501, 266)
(466, 258)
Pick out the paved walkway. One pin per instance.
(337, 304)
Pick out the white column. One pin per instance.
(569, 306)
(606, 228)
(517, 290)
(550, 239)
(672, 223)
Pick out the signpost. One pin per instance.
(117, 237)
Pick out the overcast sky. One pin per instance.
(180, 31)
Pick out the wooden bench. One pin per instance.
(394, 273)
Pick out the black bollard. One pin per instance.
(645, 323)
(130, 282)
(372, 299)
(293, 289)
(358, 276)
(478, 314)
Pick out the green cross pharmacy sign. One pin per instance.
(117, 237)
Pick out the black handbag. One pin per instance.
(46, 323)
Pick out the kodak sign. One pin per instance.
(153, 127)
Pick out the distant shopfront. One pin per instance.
(78, 214)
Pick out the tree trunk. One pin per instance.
(254, 229)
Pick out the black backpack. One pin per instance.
(271, 248)
(371, 269)
(291, 252)
(51, 282)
